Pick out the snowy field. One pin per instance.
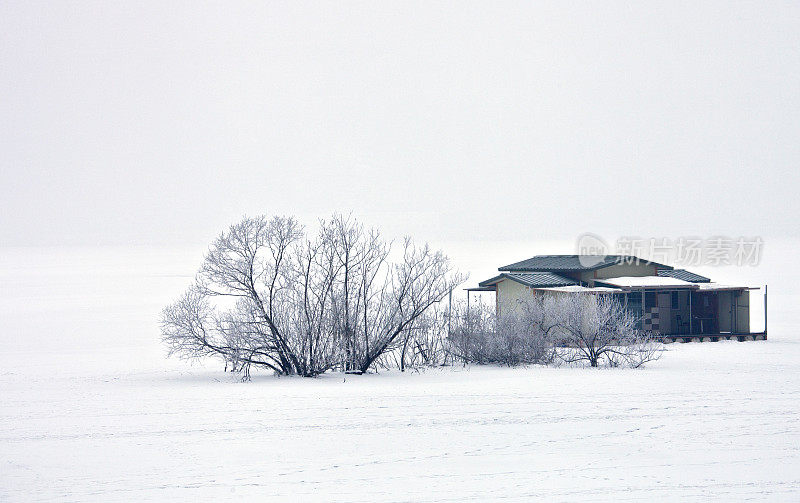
(90, 410)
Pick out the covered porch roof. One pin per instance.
(638, 283)
(646, 282)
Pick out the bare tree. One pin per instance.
(362, 286)
(408, 288)
(243, 305)
(597, 328)
(268, 296)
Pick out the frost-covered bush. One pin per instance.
(514, 339)
(570, 328)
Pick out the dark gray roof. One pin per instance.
(572, 262)
(684, 275)
(532, 279)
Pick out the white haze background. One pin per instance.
(162, 122)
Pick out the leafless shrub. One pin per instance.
(554, 328)
(469, 340)
(425, 343)
(598, 329)
(516, 338)
(644, 348)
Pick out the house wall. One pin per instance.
(618, 270)
(509, 293)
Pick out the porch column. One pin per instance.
(643, 309)
(690, 313)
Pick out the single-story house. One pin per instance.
(677, 304)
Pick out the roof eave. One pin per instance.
(491, 281)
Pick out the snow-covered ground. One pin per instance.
(91, 410)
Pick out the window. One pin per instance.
(675, 301)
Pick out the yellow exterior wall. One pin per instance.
(509, 293)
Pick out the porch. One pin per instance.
(699, 312)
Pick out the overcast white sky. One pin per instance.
(162, 122)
